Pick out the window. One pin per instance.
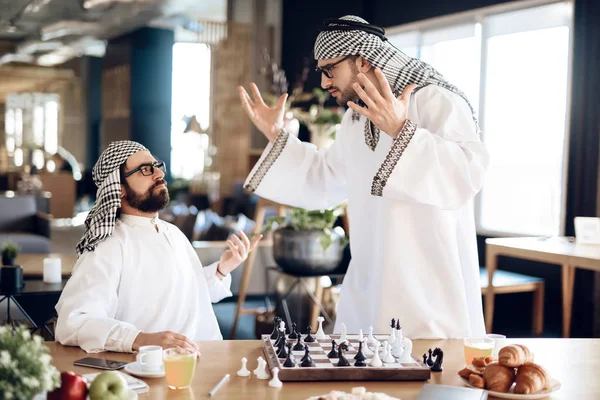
(191, 98)
(512, 62)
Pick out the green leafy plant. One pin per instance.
(300, 219)
(25, 368)
(9, 252)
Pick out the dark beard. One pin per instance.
(151, 202)
(349, 94)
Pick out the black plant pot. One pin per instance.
(8, 261)
(11, 278)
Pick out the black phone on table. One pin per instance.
(101, 363)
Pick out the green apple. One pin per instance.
(109, 385)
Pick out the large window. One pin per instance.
(191, 99)
(514, 67)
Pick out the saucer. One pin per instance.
(135, 368)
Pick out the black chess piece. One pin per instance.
(282, 352)
(306, 351)
(393, 323)
(307, 360)
(275, 333)
(280, 339)
(429, 359)
(294, 333)
(439, 359)
(299, 346)
(289, 361)
(425, 359)
(360, 357)
(333, 353)
(398, 327)
(308, 338)
(342, 361)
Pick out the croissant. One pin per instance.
(470, 370)
(481, 362)
(477, 381)
(498, 378)
(514, 355)
(530, 379)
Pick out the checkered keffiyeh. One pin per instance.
(399, 69)
(101, 220)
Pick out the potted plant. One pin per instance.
(25, 368)
(305, 242)
(11, 275)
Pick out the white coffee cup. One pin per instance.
(499, 342)
(150, 358)
(52, 270)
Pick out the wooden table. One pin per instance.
(574, 362)
(33, 264)
(563, 251)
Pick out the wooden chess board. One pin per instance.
(326, 369)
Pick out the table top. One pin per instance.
(33, 264)
(574, 362)
(554, 249)
(36, 287)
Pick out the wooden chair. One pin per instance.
(511, 282)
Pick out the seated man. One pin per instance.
(138, 281)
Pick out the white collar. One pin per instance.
(135, 220)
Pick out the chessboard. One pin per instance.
(326, 369)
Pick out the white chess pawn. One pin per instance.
(259, 359)
(275, 382)
(320, 333)
(397, 348)
(407, 354)
(343, 336)
(262, 371)
(371, 340)
(368, 352)
(385, 350)
(244, 371)
(376, 361)
(389, 358)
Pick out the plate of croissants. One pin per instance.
(513, 375)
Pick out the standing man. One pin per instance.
(409, 159)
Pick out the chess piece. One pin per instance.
(308, 338)
(425, 359)
(259, 359)
(342, 361)
(275, 333)
(360, 335)
(289, 361)
(333, 353)
(262, 370)
(399, 334)
(294, 334)
(306, 351)
(371, 340)
(344, 333)
(385, 350)
(299, 346)
(280, 337)
(320, 333)
(376, 361)
(244, 371)
(397, 348)
(389, 358)
(307, 360)
(275, 382)
(283, 350)
(429, 359)
(392, 338)
(407, 354)
(439, 358)
(360, 357)
(368, 352)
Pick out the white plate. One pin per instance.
(555, 386)
(136, 369)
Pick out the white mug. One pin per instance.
(499, 342)
(150, 358)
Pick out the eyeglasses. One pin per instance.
(326, 69)
(147, 169)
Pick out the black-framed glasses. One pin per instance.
(147, 169)
(326, 69)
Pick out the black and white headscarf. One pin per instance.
(101, 220)
(399, 69)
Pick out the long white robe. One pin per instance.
(139, 279)
(410, 208)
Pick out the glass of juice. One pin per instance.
(180, 365)
(478, 347)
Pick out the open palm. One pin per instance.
(269, 120)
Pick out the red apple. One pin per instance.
(72, 387)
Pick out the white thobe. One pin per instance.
(410, 209)
(139, 279)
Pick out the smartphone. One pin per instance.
(100, 363)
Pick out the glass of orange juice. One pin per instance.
(478, 347)
(180, 365)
